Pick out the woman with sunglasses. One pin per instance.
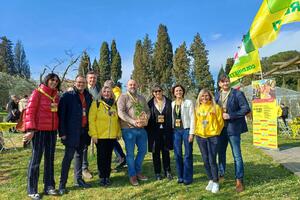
(41, 124)
(160, 136)
(183, 123)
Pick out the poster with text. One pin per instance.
(264, 113)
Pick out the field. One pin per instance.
(264, 179)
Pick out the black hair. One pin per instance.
(178, 85)
(51, 76)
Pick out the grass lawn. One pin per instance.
(264, 179)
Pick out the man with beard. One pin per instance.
(134, 113)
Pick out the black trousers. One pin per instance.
(66, 163)
(159, 147)
(42, 141)
(104, 154)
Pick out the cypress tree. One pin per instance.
(221, 73)
(6, 56)
(229, 64)
(139, 72)
(116, 65)
(203, 77)
(147, 61)
(20, 61)
(95, 66)
(104, 63)
(181, 68)
(85, 64)
(163, 59)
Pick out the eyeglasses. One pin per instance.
(54, 80)
(157, 91)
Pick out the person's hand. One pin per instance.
(138, 124)
(28, 136)
(63, 137)
(226, 116)
(95, 140)
(191, 138)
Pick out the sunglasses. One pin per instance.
(157, 91)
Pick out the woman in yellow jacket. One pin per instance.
(104, 128)
(208, 126)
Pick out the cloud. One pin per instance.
(216, 36)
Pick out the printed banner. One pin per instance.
(264, 117)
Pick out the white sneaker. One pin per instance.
(209, 185)
(215, 187)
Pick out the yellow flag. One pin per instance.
(269, 19)
(245, 65)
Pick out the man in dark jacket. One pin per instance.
(235, 107)
(73, 130)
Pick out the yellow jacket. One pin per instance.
(208, 120)
(101, 124)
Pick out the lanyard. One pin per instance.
(160, 104)
(203, 114)
(108, 107)
(132, 98)
(47, 95)
(226, 97)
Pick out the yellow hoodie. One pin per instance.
(208, 120)
(103, 125)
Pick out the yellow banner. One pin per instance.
(269, 19)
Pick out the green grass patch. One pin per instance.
(264, 178)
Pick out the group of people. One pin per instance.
(83, 114)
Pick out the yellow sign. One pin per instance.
(264, 117)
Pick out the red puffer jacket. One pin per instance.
(38, 112)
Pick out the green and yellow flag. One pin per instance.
(264, 30)
(269, 19)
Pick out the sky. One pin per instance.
(49, 28)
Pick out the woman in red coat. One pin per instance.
(41, 124)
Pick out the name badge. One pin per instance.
(204, 123)
(83, 112)
(160, 118)
(53, 107)
(177, 122)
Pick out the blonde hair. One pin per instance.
(107, 87)
(212, 99)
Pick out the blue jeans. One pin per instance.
(209, 149)
(132, 137)
(235, 144)
(184, 166)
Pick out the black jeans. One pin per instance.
(42, 141)
(66, 163)
(104, 154)
(209, 149)
(159, 147)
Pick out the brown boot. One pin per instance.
(239, 185)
